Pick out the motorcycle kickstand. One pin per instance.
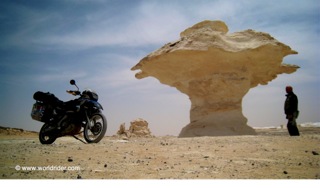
(79, 139)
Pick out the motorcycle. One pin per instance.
(70, 118)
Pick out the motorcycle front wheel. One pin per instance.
(44, 136)
(96, 128)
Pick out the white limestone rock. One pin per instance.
(216, 69)
(138, 128)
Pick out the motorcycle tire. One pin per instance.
(97, 127)
(46, 138)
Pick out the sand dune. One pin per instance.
(271, 154)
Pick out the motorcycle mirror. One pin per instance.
(72, 82)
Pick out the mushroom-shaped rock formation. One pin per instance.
(216, 69)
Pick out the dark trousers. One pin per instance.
(292, 126)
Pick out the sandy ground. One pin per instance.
(271, 154)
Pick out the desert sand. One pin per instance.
(271, 154)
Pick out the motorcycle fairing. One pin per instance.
(91, 104)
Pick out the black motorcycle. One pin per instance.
(69, 118)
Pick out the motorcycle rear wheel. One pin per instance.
(95, 130)
(44, 137)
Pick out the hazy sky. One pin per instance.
(46, 43)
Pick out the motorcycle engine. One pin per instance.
(71, 129)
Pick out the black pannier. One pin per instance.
(41, 112)
(47, 98)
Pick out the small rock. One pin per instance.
(105, 165)
(79, 177)
(285, 172)
(315, 153)
(70, 159)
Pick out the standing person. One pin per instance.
(291, 111)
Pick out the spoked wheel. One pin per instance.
(44, 136)
(95, 129)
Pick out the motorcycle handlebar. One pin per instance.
(75, 93)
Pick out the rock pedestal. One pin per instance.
(216, 69)
(138, 128)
